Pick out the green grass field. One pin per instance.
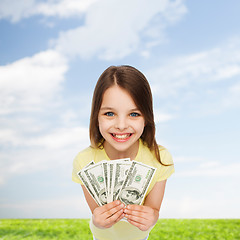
(77, 229)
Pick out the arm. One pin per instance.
(147, 215)
(90, 201)
(104, 216)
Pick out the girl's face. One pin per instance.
(120, 123)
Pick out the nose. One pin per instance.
(121, 123)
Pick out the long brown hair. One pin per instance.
(136, 84)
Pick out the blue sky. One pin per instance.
(51, 55)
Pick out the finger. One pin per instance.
(105, 216)
(139, 208)
(141, 226)
(115, 218)
(113, 209)
(107, 207)
(143, 211)
(136, 218)
(113, 204)
(130, 213)
(121, 217)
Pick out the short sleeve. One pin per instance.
(165, 172)
(82, 159)
(76, 168)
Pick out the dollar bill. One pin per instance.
(120, 179)
(136, 183)
(87, 184)
(89, 164)
(95, 176)
(120, 171)
(110, 175)
(105, 175)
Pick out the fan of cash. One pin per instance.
(120, 179)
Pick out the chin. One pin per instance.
(122, 147)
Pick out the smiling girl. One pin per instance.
(122, 126)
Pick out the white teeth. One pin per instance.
(121, 136)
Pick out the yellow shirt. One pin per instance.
(123, 229)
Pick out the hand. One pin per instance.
(109, 214)
(140, 216)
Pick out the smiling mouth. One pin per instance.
(121, 136)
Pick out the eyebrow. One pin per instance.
(110, 108)
(106, 108)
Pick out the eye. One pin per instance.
(109, 114)
(134, 114)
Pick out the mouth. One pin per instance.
(121, 137)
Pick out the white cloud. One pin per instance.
(30, 83)
(232, 97)
(211, 66)
(38, 153)
(69, 116)
(211, 169)
(160, 117)
(184, 159)
(200, 68)
(8, 136)
(15, 10)
(61, 138)
(195, 82)
(64, 8)
(63, 207)
(114, 29)
(190, 206)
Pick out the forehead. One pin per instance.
(116, 96)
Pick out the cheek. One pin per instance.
(141, 126)
(102, 125)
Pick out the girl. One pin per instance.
(122, 126)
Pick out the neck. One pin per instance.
(115, 154)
